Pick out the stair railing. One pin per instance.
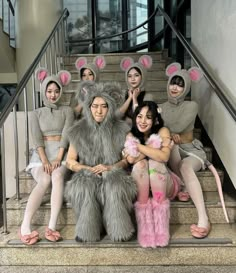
(50, 56)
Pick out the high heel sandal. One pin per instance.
(29, 239)
(52, 235)
(200, 232)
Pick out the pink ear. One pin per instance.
(195, 74)
(145, 61)
(64, 76)
(41, 73)
(100, 62)
(125, 63)
(172, 68)
(80, 62)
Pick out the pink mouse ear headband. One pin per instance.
(194, 73)
(145, 61)
(98, 61)
(64, 77)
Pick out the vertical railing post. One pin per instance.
(26, 127)
(4, 204)
(16, 153)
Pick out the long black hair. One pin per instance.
(157, 121)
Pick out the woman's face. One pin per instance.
(144, 120)
(52, 92)
(175, 90)
(99, 109)
(134, 78)
(87, 75)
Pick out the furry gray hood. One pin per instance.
(98, 64)
(193, 74)
(111, 92)
(62, 78)
(144, 62)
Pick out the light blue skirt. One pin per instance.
(51, 150)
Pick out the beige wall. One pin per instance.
(7, 59)
(213, 27)
(34, 22)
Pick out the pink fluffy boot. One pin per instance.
(144, 217)
(161, 214)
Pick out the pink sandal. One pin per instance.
(200, 232)
(183, 196)
(52, 235)
(29, 239)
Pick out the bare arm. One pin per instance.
(162, 154)
(123, 109)
(72, 163)
(43, 157)
(75, 166)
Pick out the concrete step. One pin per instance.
(205, 177)
(115, 58)
(121, 269)
(217, 249)
(115, 67)
(118, 75)
(181, 212)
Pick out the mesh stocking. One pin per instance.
(58, 176)
(186, 168)
(160, 180)
(43, 181)
(141, 177)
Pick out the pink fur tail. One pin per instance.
(218, 183)
(144, 217)
(161, 214)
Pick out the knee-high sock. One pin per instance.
(58, 176)
(43, 181)
(160, 180)
(188, 167)
(141, 177)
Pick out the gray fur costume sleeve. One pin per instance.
(101, 201)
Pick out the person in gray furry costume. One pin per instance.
(100, 191)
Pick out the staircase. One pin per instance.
(218, 249)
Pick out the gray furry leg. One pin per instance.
(119, 191)
(82, 192)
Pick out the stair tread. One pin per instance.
(180, 234)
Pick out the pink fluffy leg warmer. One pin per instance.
(161, 214)
(144, 217)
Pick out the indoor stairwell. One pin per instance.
(219, 248)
